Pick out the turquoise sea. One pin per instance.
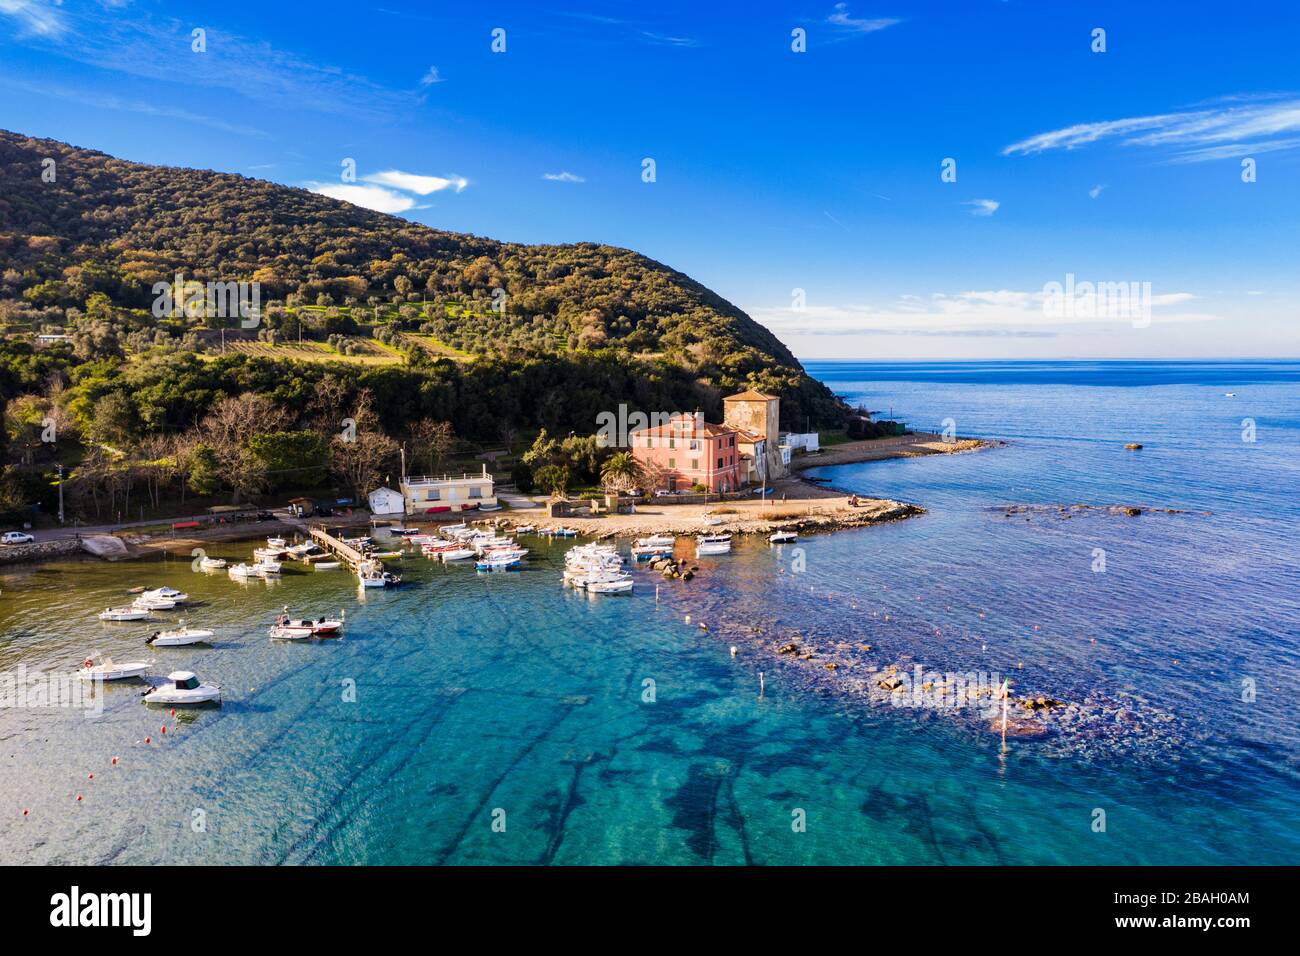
(503, 719)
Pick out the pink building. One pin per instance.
(688, 451)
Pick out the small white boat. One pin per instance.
(267, 568)
(180, 637)
(498, 562)
(287, 629)
(566, 532)
(108, 670)
(378, 579)
(144, 603)
(455, 554)
(243, 572)
(269, 554)
(783, 537)
(609, 583)
(656, 541)
(710, 521)
(404, 532)
(328, 565)
(131, 613)
(525, 529)
(212, 564)
(276, 542)
(644, 552)
(713, 544)
(385, 555)
(167, 594)
(184, 688)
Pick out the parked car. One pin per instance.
(16, 537)
(265, 516)
(323, 512)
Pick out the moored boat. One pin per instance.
(783, 537)
(181, 636)
(184, 689)
(211, 564)
(713, 544)
(107, 669)
(130, 613)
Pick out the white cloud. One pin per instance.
(1218, 132)
(841, 18)
(35, 16)
(413, 183)
(433, 76)
(369, 197)
(564, 177)
(1095, 191)
(974, 313)
(983, 207)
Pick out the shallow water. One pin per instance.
(506, 698)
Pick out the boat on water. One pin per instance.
(328, 565)
(713, 544)
(267, 568)
(374, 578)
(499, 562)
(184, 689)
(211, 564)
(270, 554)
(608, 582)
(107, 669)
(525, 529)
(404, 532)
(566, 532)
(167, 594)
(783, 537)
(145, 603)
(654, 546)
(243, 572)
(454, 554)
(129, 613)
(276, 542)
(385, 555)
(288, 629)
(180, 637)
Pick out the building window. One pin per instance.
(695, 464)
(672, 462)
(672, 443)
(695, 446)
(476, 492)
(434, 495)
(720, 461)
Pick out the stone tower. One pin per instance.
(757, 416)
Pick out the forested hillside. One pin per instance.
(374, 312)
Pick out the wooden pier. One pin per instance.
(344, 552)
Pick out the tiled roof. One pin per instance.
(749, 396)
(686, 427)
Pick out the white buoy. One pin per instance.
(761, 685)
(733, 650)
(688, 619)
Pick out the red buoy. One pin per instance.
(148, 740)
(162, 729)
(90, 776)
(115, 761)
(25, 812)
(78, 798)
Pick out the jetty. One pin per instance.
(341, 550)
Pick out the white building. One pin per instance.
(805, 442)
(434, 494)
(386, 501)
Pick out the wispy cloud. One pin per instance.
(665, 40)
(975, 313)
(1223, 130)
(414, 183)
(35, 16)
(369, 197)
(841, 18)
(983, 207)
(105, 101)
(564, 177)
(432, 77)
(1095, 191)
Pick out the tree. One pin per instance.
(621, 472)
(431, 443)
(522, 476)
(203, 470)
(292, 459)
(553, 479)
(361, 461)
(113, 421)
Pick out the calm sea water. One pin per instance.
(611, 730)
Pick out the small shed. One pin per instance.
(386, 501)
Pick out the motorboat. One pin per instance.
(269, 554)
(525, 529)
(454, 554)
(165, 593)
(131, 613)
(713, 544)
(145, 603)
(107, 669)
(243, 572)
(656, 541)
(644, 552)
(385, 555)
(404, 532)
(211, 564)
(498, 562)
(183, 688)
(783, 537)
(328, 565)
(453, 528)
(180, 637)
(566, 532)
(267, 568)
(609, 583)
(288, 629)
(276, 542)
(376, 578)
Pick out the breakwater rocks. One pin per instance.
(39, 550)
(1070, 511)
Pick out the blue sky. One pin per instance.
(775, 171)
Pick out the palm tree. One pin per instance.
(621, 472)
